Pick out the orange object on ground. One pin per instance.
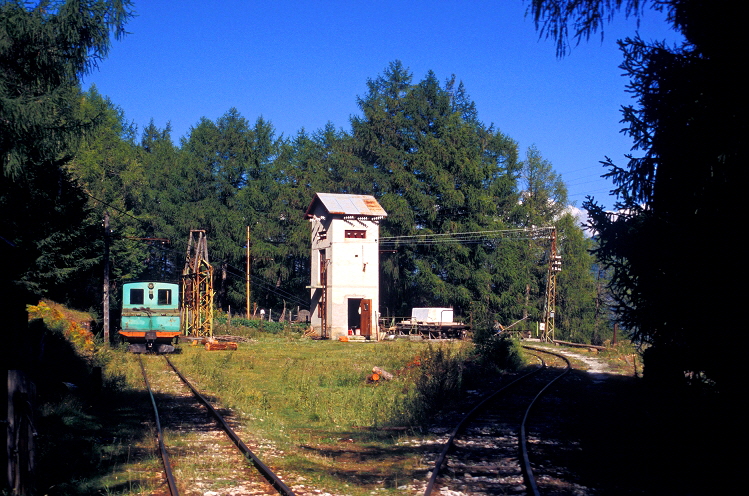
(219, 346)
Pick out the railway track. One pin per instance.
(488, 452)
(201, 452)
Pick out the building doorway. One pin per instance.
(354, 318)
(360, 316)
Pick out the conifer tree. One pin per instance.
(44, 49)
(680, 190)
(435, 169)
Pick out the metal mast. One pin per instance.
(532, 233)
(555, 266)
(197, 288)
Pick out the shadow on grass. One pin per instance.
(105, 444)
(365, 459)
(86, 442)
(608, 433)
(620, 435)
(93, 434)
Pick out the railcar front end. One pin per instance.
(150, 320)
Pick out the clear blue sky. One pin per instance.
(301, 64)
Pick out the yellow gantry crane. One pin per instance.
(197, 288)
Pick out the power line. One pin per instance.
(468, 237)
(115, 208)
(267, 285)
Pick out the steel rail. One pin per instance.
(446, 448)
(272, 478)
(160, 436)
(522, 439)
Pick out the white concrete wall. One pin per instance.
(353, 270)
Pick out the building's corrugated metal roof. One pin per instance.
(341, 204)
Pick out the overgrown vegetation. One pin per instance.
(500, 352)
(84, 406)
(244, 327)
(298, 394)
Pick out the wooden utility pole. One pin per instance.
(105, 302)
(247, 281)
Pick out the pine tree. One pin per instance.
(434, 171)
(669, 277)
(44, 50)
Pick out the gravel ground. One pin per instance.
(600, 432)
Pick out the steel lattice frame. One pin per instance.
(197, 288)
(551, 290)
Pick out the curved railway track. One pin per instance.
(204, 462)
(487, 452)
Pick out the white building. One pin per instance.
(345, 261)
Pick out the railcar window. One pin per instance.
(136, 296)
(165, 297)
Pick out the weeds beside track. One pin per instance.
(486, 438)
(204, 458)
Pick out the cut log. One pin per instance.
(220, 346)
(382, 373)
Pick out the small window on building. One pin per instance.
(165, 297)
(136, 296)
(356, 233)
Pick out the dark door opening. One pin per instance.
(360, 316)
(354, 319)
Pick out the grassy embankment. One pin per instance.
(310, 403)
(306, 404)
(91, 435)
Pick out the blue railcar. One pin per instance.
(150, 319)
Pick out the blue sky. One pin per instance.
(301, 64)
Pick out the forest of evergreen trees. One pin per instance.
(418, 146)
(70, 158)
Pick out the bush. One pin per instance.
(241, 326)
(440, 377)
(500, 351)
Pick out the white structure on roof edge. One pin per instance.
(345, 267)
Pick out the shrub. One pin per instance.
(439, 378)
(241, 326)
(500, 351)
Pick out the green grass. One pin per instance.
(306, 406)
(301, 382)
(312, 401)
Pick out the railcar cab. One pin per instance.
(150, 319)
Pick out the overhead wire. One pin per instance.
(268, 286)
(532, 233)
(114, 208)
(467, 237)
